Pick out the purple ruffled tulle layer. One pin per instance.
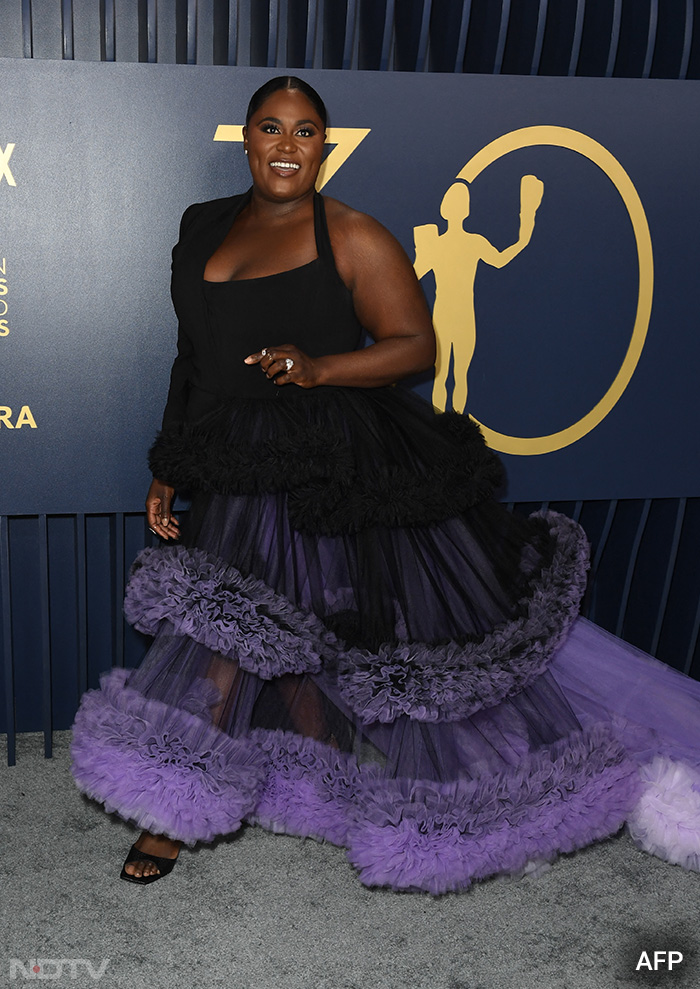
(239, 617)
(163, 768)
(171, 772)
(666, 818)
(311, 789)
(422, 835)
(439, 837)
(245, 620)
(453, 681)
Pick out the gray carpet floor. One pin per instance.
(263, 911)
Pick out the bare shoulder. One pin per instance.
(358, 240)
(346, 223)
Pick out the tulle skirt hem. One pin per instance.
(169, 771)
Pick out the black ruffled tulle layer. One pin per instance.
(348, 458)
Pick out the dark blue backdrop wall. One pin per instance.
(62, 575)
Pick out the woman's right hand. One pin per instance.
(158, 503)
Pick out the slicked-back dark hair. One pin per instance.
(286, 82)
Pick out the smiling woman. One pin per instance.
(353, 641)
(289, 147)
(284, 142)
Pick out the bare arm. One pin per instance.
(388, 301)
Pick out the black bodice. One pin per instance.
(308, 306)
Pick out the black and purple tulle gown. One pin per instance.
(353, 640)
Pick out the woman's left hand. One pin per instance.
(287, 365)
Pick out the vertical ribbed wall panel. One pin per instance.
(11, 37)
(166, 31)
(46, 29)
(126, 30)
(631, 38)
(86, 26)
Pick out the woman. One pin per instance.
(353, 640)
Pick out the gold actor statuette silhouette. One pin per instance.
(454, 257)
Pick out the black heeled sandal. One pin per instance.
(165, 865)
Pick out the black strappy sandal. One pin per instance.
(165, 865)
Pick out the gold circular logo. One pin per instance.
(564, 137)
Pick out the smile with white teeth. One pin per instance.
(285, 164)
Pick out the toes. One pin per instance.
(140, 869)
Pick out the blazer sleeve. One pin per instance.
(178, 392)
(181, 371)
